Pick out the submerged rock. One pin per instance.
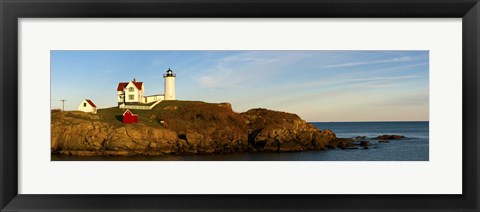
(364, 143)
(359, 138)
(390, 137)
(342, 143)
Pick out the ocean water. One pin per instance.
(414, 148)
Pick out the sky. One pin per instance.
(319, 86)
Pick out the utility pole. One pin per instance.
(63, 104)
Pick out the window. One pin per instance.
(130, 97)
(84, 104)
(130, 89)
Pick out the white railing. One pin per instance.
(139, 107)
(154, 104)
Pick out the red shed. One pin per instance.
(129, 117)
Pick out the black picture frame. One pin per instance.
(11, 10)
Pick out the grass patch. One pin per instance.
(179, 116)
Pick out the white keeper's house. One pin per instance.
(131, 94)
(87, 106)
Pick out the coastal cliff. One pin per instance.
(185, 127)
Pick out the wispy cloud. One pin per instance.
(350, 80)
(220, 77)
(393, 60)
(384, 78)
(381, 82)
(238, 69)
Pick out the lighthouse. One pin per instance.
(169, 85)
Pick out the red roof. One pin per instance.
(138, 85)
(90, 103)
(128, 111)
(122, 85)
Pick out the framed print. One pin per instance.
(227, 105)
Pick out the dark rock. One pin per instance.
(359, 138)
(342, 143)
(364, 143)
(383, 141)
(275, 131)
(390, 137)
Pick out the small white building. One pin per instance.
(87, 106)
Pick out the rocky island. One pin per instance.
(190, 127)
(186, 127)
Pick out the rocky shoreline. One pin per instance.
(181, 127)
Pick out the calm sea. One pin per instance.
(414, 148)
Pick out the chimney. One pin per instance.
(133, 79)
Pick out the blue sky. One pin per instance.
(317, 85)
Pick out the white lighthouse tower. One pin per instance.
(169, 85)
